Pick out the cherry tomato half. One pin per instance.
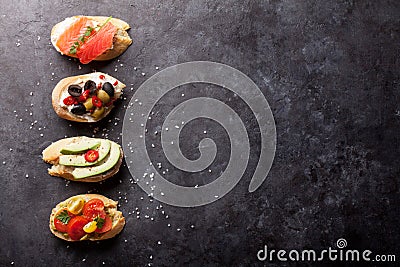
(70, 100)
(102, 77)
(60, 226)
(75, 227)
(96, 102)
(106, 226)
(93, 204)
(93, 214)
(84, 96)
(91, 155)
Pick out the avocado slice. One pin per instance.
(79, 160)
(103, 166)
(81, 146)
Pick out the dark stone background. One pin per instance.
(330, 72)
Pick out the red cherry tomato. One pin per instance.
(102, 77)
(96, 102)
(93, 204)
(91, 155)
(115, 83)
(70, 100)
(106, 226)
(60, 226)
(93, 214)
(84, 96)
(75, 227)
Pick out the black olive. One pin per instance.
(74, 90)
(78, 109)
(90, 85)
(109, 88)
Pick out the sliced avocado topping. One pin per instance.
(103, 166)
(79, 160)
(81, 146)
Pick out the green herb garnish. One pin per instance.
(108, 19)
(99, 222)
(64, 217)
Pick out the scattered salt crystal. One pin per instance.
(157, 67)
(143, 74)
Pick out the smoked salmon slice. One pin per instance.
(67, 39)
(96, 45)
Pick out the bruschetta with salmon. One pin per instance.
(91, 37)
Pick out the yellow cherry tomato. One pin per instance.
(75, 205)
(90, 227)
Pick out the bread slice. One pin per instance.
(52, 153)
(111, 206)
(121, 39)
(62, 87)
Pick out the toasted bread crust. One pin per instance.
(52, 153)
(121, 39)
(62, 85)
(118, 219)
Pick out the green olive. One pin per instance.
(88, 104)
(98, 112)
(104, 97)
